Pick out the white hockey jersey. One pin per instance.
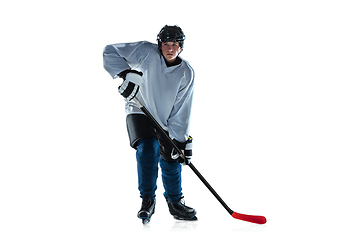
(167, 92)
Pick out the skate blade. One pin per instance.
(194, 218)
(145, 221)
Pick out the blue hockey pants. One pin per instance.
(148, 159)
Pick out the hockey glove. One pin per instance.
(130, 87)
(186, 149)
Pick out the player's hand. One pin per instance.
(186, 150)
(132, 81)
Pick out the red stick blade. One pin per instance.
(249, 218)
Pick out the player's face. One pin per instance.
(170, 51)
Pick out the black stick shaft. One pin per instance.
(158, 127)
(211, 189)
(162, 132)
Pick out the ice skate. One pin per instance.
(180, 211)
(147, 209)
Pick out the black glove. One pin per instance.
(130, 87)
(186, 149)
(168, 153)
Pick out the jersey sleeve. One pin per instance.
(123, 56)
(179, 120)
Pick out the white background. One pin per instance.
(275, 119)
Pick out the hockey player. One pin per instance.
(165, 88)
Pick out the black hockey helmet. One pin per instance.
(171, 34)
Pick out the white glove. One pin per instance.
(130, 87)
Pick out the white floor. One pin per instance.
(101, 202)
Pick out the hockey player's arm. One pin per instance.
(113, 62)
(179, 120)
(119, 59)
(179, 123)
(123, 56)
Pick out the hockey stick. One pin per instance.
(244, 217)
